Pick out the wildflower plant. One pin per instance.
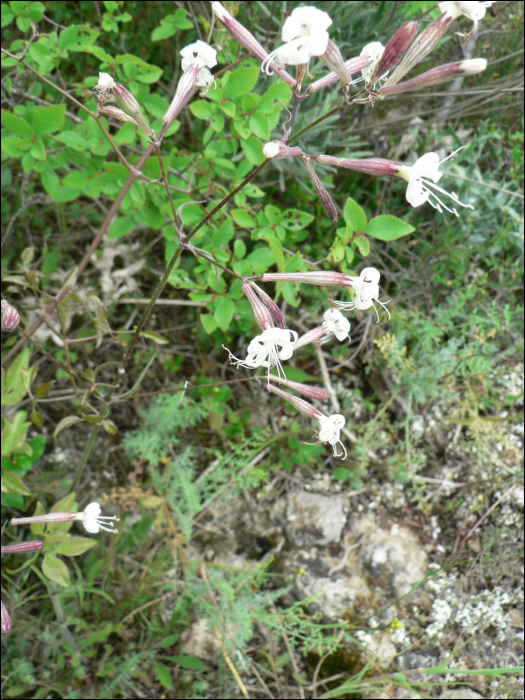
(239, 262)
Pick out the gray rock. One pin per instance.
(395, 559)
(337, 595)
(310, 519)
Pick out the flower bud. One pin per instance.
(248, 41)
(312, 392)
(320, 279)
(323, 195)
(420, 47)
(278, 150)
(129, 105)
(395, 48)
(10, 316)
(379, 167)
(300, 404)
(184, 91)
(354, 65)
(435, 76)
(261, 313)
(270, 304)
(334, 61)
(116, 113)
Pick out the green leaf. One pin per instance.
(252, 148)
(363, 245)
(49, 119)
(337, 253)
(388, 228)
(12, 483)
(163, 674)
(37, 150)
(201, 109)
(77, 38)
(217, 123)
(155, 337)
(240, 82)
(165, 30)
(16, 383)
(121, 227)
(65, 194)
(190, 662)
(74, 546)
(7, 16)
(261, 259)
(156, 105)
(277, 250)
(243, 219)
(223, 235)
(50, 182)
(260, 126)
(354, 216)
(223, 312)
(17, 125)
(295, 220)
(56, 570)
(208, 323)
(279, 91)
(239, 249)
(66, 423)
(74, 140)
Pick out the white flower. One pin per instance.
(375, 50)
(268, 349)
(330, 432)
(304, 34)
(105, 84)
(475, 11)
(92, 520)
(336, 324)
(423, 177)
(204, 56)
(366, 292)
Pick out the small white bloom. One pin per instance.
(366, 293)
(375, 50)
(330, 432)
(268, 349)
(94, 522)
(423, 177)
(336, 324)
(475, 11)
(105, 84)
(204, 56)
(304, 33)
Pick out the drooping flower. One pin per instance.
(393, 51)
(422, 178)
(203, 55)
(373, 50)
(366, 293)
(321, 192)
(331, 426)
(90, 517)
(197, 58)
(248, 41)
(335, 324)
(268, 350)
(125, 100)
(330, 432)
(305, 36)
(475, 11)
